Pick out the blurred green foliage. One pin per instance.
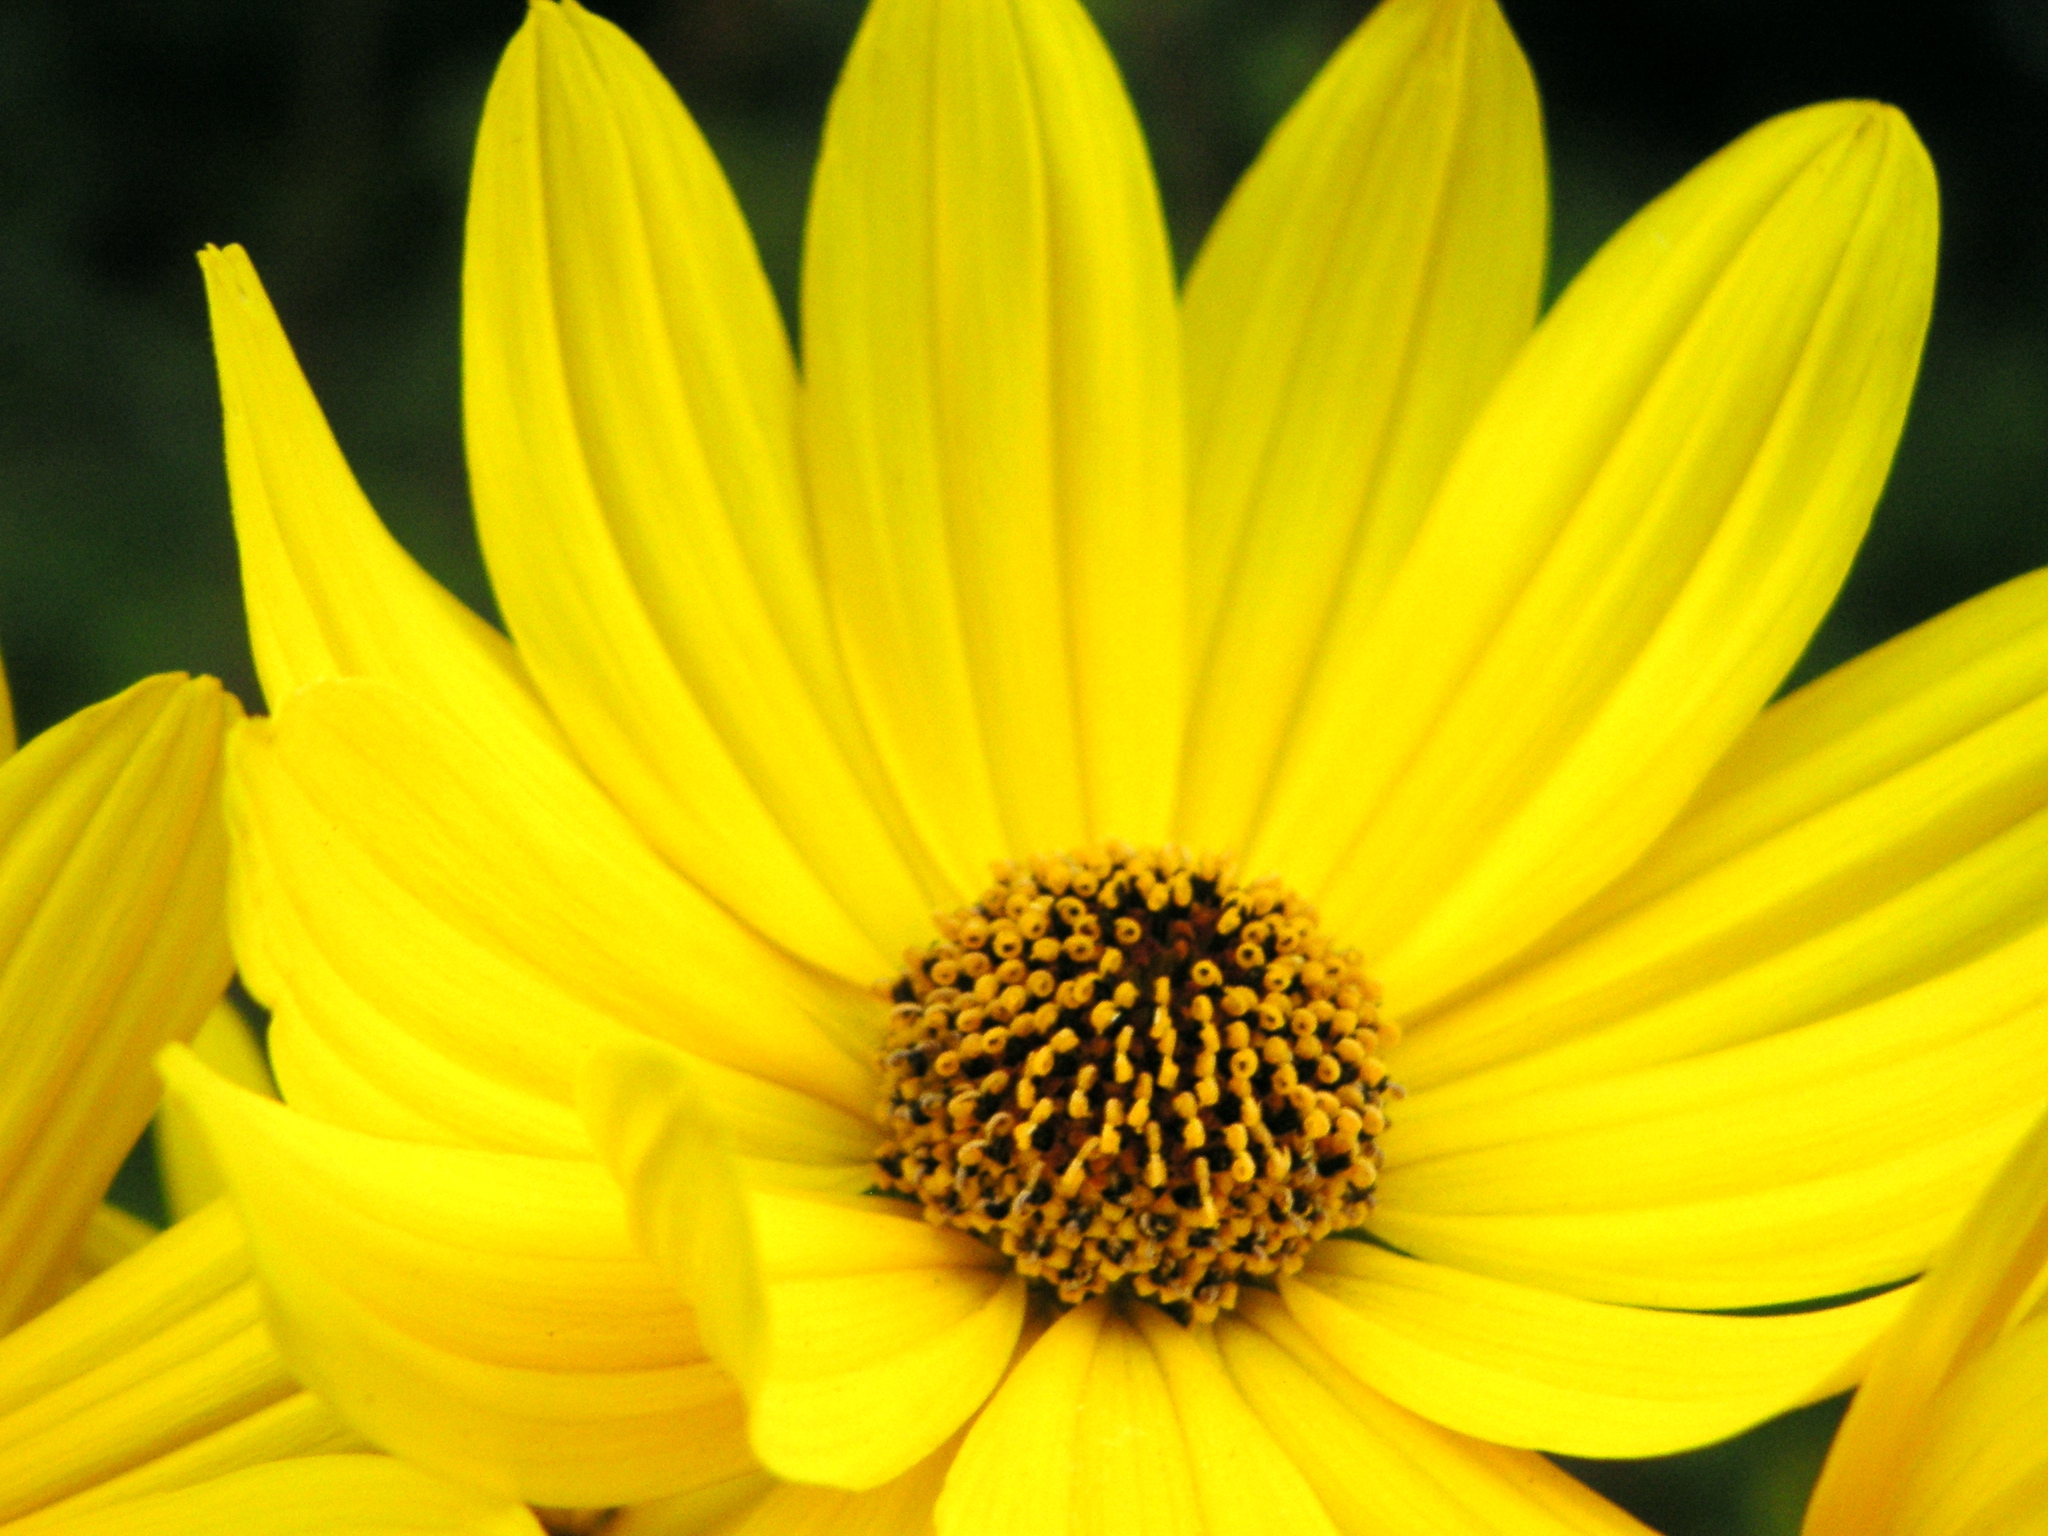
(332, 138)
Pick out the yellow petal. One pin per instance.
(299, 1425)
(1983, 1464)
(329, 592)
(1951, 1369)
(1817, 1161)
(992, 427)
(191, 1179)
(311, 1496)
(1879, 826)
(1530, 1368)
(1357, 299)
(483, 1314)
(864, 1336)
(159, 1353)
(1122, 1424)
(901, 1507)
(112, 941)
(630, 405)
(1627, 555)
(1378, 1468)
(458, 924)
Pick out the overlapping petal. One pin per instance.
(1809, 1163)
(329, 592)
(443, 930)
(1122, 1424)
(157, 1374)
(482, 1313)
(1527, 1367)
(630, 405)
(1944, 1436)
(1630, 550)
(864, 1336)
(1363, 290)
(991, 423)
(112, 941)
(1876, 828)
(310, 1496)
(1378, 1468)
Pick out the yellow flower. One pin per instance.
(1949, 1431)
(605, 1175)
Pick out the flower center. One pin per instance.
(1122, 1065)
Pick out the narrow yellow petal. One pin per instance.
(760, 1507)
(310, 1496)
(458, 924)
(190, 1177)
(1124, 1425)
(1948, 1365)
(1530, 1368)
(112, 941)
(1377, 1467)
(992, 427)
(1879, 826)
(483, 1314)
(132, 1371)
(1630, 550)
(329, 592)
(1982, 1466)
(630, 401)
(299, 1425)
(1769, 1171)
(1358, 298)
(864, 1336)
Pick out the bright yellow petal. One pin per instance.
(630, 405)
(1876, 828)
(1530, 1368)
(1365, 287)
(1983, 1464)
(299, 1425)
(311, 1496)
(483, 1314)
(864, 1335)
(1946, 1365)
(112, 941)
(1626, 557)
(1123, 1425)
(1766, 1172)
(329, 592)
(1378, 1468)
(459, 924)
(190, 1177)
(992, 427)
(161, 1352)
(761, 1507)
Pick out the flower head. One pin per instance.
(1352, 689)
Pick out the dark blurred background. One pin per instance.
(332, 138)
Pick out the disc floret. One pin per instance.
(1122, 1066)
